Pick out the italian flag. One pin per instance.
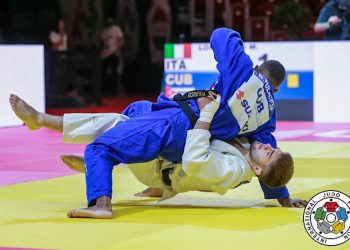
(177, 50)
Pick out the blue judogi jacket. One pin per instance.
(247, 101)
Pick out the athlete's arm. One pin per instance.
(234, 65)
(198, 161)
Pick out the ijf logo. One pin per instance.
(326, 218)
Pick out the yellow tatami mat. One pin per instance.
(32, 215)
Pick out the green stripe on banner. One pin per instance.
(169, 50)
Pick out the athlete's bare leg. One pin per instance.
(102, 210)
(74, 162)
(33, 118)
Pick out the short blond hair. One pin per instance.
(280, 171)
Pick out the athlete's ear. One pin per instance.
(256, 68)
(257, 170)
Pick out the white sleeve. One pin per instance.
(199, 161)
(86, 127)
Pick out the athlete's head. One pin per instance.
(272, 166)
(273, 71)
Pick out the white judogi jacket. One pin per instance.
(206, 166)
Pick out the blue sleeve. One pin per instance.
(234, 65)
(276, 193)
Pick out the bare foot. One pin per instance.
(31, 117)
(74, 162)
(150, 192)
(102, 210)
(90, 212)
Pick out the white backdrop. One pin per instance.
(21, 73)
(332, 82)
(330, 63)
